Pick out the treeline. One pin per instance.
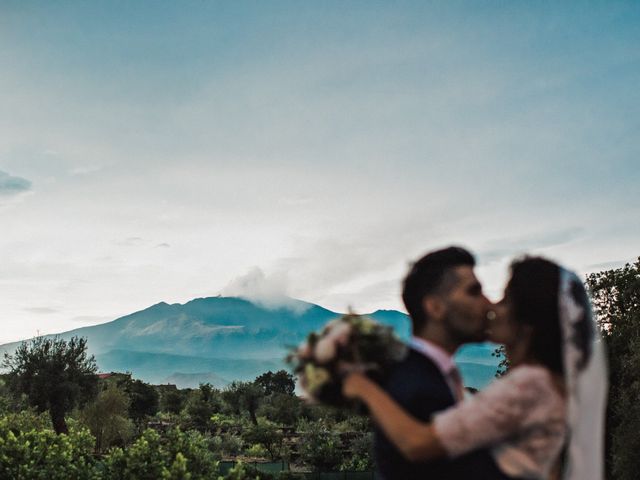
(60, 419)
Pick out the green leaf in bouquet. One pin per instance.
(315, 377)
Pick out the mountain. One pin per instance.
(221, 339)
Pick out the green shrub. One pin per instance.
(257, 451)
(361, 458)
(28, 419)
(40, 454)
(244, 472)
(179, 455)
(320, 447)
(229, 444)
(106, 418)
(268, 437)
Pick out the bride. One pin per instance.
(544, 418)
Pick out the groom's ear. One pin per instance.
(433, 306)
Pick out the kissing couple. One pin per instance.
(543, 419)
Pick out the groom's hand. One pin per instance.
(355, 385)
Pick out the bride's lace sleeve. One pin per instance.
(494, 414)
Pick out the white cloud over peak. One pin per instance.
(268, 291)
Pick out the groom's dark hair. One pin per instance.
(428, 276)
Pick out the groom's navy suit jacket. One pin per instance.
(419, 387)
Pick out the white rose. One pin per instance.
(325, 350)
(340, 333)
(329, 326)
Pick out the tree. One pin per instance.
(361, 454)
(267, 435)
(107, 418)
(172, 400)
(279, 382)
(281, 408)
(144, 400)
(201, 405)
(616, 299)
(501, 354)
(8, 401)
(55, 375)
(244, 396)
(321, 447)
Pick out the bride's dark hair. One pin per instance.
(533, 296)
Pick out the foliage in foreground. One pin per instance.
(179, 455)
(29, 452)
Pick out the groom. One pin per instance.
(447, 309)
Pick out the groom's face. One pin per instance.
(466, 307)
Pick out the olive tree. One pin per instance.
(54, 374)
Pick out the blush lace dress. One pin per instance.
(521, 417)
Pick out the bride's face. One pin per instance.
(502, 327)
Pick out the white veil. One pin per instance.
(586, 381)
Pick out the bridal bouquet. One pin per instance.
(351, 342)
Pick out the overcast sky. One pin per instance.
(162, 151)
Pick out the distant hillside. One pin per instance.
(193, 380)
(185, 371)
(220, 339)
